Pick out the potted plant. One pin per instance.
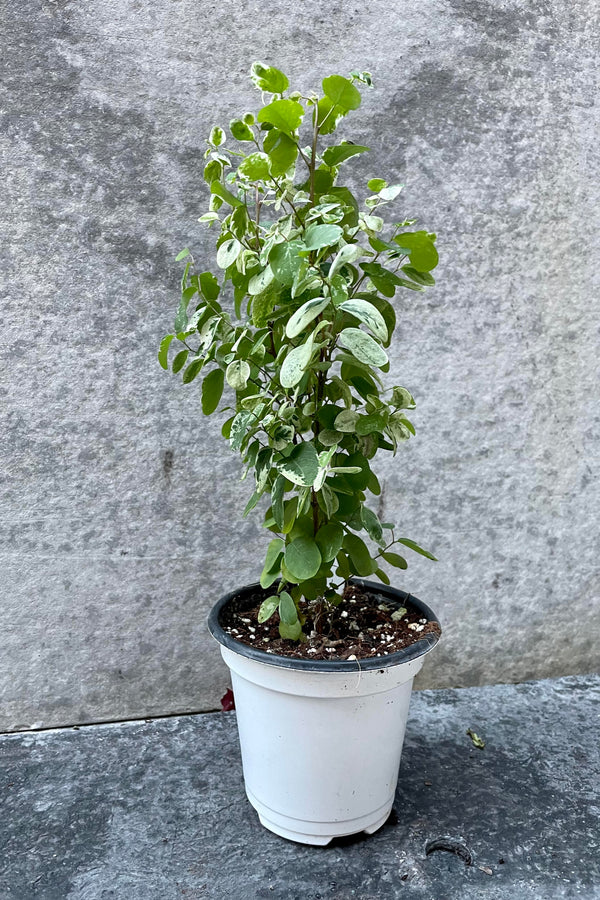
(290, 340)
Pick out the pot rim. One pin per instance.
(413, 651)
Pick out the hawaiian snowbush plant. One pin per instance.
(292, 333)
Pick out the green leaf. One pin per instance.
(363, 347)
(412, 546)
(301, 466)
(394, 559)
(277, 502)
(240, 130)
(318, 236)
(252, 502)
(370, 424)
(217, 136)
(368, 314)
(209, 286)
(221, 191)
(333, 156)
(290, 632)
(329, 437)
(382, 576)
(237, 374)
(228, 252)
(285, 261)
(303, 558)
(305, 315)
(282, 151)
(346, 421)
(181, 318)
(376, 184)
(359, 554)
(328, 115)
(275, 548)
(341, 92)
(255, 167)
(192, 370)
(180, 360)
(267, 608)
(329, 539)
(182, 255)
(212, 390)
(372, 524)
(263, 304)
(268, 78)
(420, 277)
(286, 115)
(287, 609)
(420, 248)
(163, 353)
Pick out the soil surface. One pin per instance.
(366, 625)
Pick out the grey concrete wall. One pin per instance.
(120, 503)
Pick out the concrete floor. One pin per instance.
(156, 810)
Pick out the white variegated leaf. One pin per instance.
(305, 315)
(368, 314)
(228, 252)
(363, 347)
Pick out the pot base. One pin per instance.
(318, 834)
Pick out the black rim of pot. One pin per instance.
(244, 598)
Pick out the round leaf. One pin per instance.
(286, 115)
(285, 261)
(260, 282)
(346, 421)
(268, 78)
(255, 167)
(329, 540)
(237, 374)
(318, 236)
(303, 558)
(363, 347)
(228, 252)
(241, 131)
(368, 314)
(281, 149)
(341, 92)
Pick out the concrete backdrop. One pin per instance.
(120, 504)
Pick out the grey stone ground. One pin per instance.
(156, 810)
(120, 505)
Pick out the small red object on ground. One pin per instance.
(228, 700)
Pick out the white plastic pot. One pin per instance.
(320, 740)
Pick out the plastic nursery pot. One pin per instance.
(320, 739)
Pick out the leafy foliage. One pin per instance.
(296, 351)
